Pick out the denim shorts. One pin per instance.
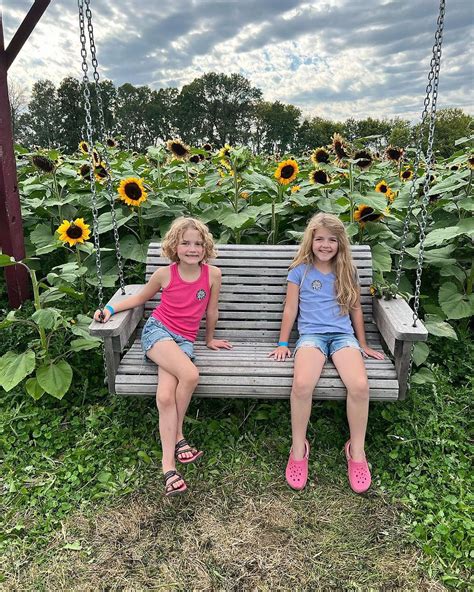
(327, 343)
(154, 331)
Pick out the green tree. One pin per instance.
(316, 132)
(40, 124)
(401, 133)
(217, 108)
(276, 126)
(451, 124)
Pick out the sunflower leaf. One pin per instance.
(455, 304)
(6, 260)
(436, 326)
(15, 367)
(382, 261)
(55, 379)
(33, 389)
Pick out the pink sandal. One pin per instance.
(357, 471)
(297, 470)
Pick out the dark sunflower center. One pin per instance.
(394, 154)
(207, 147)
(339, 150)
(178, 149)
(320, 177)
(85, 170)
(101, 172)
(406, 174)
(194, 158)
(322, 156)
(383, 188)
(369, 215)
(287, 171)
(133, 191)
(85, 147)
(74, 231)
(43, 163)
(110, 142)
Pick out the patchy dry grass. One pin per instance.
(240, 535)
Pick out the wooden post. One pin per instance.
(11, 224)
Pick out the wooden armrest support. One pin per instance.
(123, 323)
(394, 319)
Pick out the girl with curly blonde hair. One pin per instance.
(190, 288)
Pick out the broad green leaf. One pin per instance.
(33, 389)
(420, 353)
(235, 221)
(105, 220)
(6, 260)
(15, 367)
(423, 376)
(46, 317)
(453, 271)
(441, 235)
(44, 241)
(8, 320)
(130, 248)
(55, 379)
(454, 303)
(51, 295)
(373, 199)
(82, 344)
(382, 261)
(438, 257)
(438, 327)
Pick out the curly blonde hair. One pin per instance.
(346, 287)
(169, 247)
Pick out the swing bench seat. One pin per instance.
(250, 310)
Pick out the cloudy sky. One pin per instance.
(331, 58)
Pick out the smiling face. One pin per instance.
(190, 247)
(325, 245)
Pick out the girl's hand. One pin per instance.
(280, 353)
(219, 344)
(102, 317)
(371, 353)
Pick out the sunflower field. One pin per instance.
(244, 198)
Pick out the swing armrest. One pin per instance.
(394, 320)
(121, 324)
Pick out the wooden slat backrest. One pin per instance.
(254, 287)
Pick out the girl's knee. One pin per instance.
(190, 377)
(359, 391)
(165, 398)
(301, 389)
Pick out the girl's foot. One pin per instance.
(185, 453)
(357, 471)
(174, 483)
(297, 470)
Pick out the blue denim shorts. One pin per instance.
(154, 331)
(327, 343)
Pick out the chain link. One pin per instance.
(101, 134)
(90, 141)
(428, 120)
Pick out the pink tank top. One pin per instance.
(183, 304)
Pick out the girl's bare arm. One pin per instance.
(290, 312)
(212, 312)
(357, 319)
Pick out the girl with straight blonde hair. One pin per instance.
(323, 292)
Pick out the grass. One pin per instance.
(82, 507)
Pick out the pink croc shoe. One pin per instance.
(357, 471)
(297, 470)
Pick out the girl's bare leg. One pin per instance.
(167, 417)
(174, 361)
(351, 368)
(309, 362)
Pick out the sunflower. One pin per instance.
(455, 167)
(74, 232)
(286, 171)
(295, 188)
(100, 172)
(43, 164)
(178, 148)
(394, 153)
(84, 147)
(406, 174)
(339, 146)
(320, 155)
(470, 162)
(207, 147)
(363, 159)
(84, 171)
(390, 196)
(319, 176)
(365, 214)
(195, 158)
(132, 191)
(373, 290)
(382, 187)
(111, 143)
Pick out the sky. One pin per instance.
(334, 59)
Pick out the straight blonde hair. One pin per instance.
(345, 286)
(169, 247)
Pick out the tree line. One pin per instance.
(214, 108)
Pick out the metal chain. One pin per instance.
(95, 213)
(102, 129)
(431, 89)
(433, 73)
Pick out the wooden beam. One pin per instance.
(24, 30)
(11, 224)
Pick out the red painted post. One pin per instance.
(11, 225)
